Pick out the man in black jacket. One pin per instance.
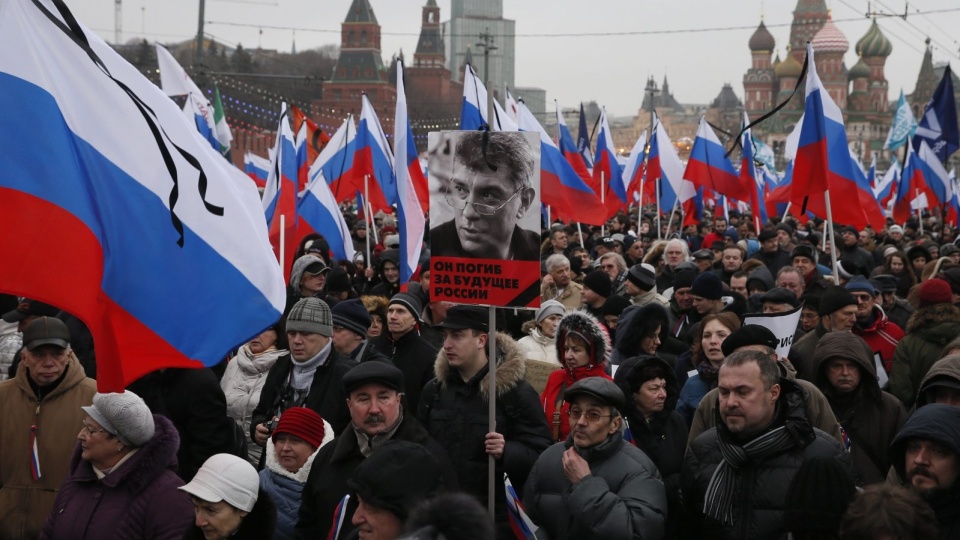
(454, 409)
(351, 320)
(376, 416)
(736, 475)
(310, 376)
(402, 343)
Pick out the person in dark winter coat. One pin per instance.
(454, 408)
(595, 485)
(310, 376)
(228, 502)
(122, 481)
(653, 425)
(636, 330)
(448, 516)
(736, 475)
(584, 348)
(838, 313)
(942, 382)
(351, 321)
(193, 400)
(771, 254)
(930, 328)
(388, 275)
(926, 457)
(403, 345)
(374, 391)
(847, 375)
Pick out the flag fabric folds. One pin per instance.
(569, 150)
(101, 162)
(560, 187)
(283, 186)
(938, 125)
(336, 162)
(634, 168)
(912, 186)
(709, 167)
(374, 159)
(224, 137)
(606, 170)
(583, 139)
(318, 211)
(749, 178)
(886, 187)
(823, 160)
(903, 127)
(257, 168)
(316, 137)
(175, 82)
(664, 166)
(473, 110)
(523, 527)
(411, 213)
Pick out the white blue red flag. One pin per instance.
(411, 215)
(709, 166)
(664, 165)
(568, 196)
(887, 185)
(318, 211)
(606, 170)
(99, 161)
(336, 162)
(283, 191)
(523, 527)
(473, 110)
(573, 156)
(634, 168)
(175, 82)
(257, 168)
(374, 160)
(583, 139)
(750, 179)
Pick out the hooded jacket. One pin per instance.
(622, 498)
(285, 487)
(384, 287)
(762, 274)
(928, 332)
(947, 369)
(940, 423)
(139, 499)
(870, 416)
(554, 407)
(25, 502)
(296, 272)
(758, 508)
(663, 437)
(455, 413)
(242, 382)
(882, 336)
(627, 342)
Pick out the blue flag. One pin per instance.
(903, 126)
(583, 140)
(939, 123)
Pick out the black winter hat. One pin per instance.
(614, 305)
(338, 280)
(779, 295)
(643, 277)
(683, 278)
(766, 234)
(749, 334)
(835, 298)
(352, 315)
(397, 477)
(707, 285)
(599, 282)
(804, 250)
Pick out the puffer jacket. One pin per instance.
(882, 336)
(455, 413)
(663, 437)
(25, 502)
(139, 500)
(928, 332)
(947, 369)
(870, 416)
(622, 498)
(758, 508)
(286, 488)
(554, 406)
(539, 347)
(242, 382)
(940, 423)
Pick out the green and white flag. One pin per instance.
(223, 130)
(903, 127)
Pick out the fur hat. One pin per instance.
(310, 315)
(124, 415)
(804, 250)
(599, 282)
(582, 324)
(935, 291)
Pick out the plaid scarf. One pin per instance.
(718, 501)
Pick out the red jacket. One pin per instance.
(553, 392)
(882, 336)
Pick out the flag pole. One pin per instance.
(580, 233)
(785, 212)
(640, 202)
(656, 186)
(492, 409)
(672, 212)
(367, 217)
(916, 195)
(833, 240)
(603, 201)
(283, 237)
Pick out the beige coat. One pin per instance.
(25, 502)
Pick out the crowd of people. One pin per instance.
(364, 411)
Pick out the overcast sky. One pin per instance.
(589, 62)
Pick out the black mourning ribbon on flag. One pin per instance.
(73, 30)
(485, 142)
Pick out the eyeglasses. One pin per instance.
(90, 430)
(458, 201)
(592, 416)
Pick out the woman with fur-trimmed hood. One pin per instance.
(583, 348)
(291, 449)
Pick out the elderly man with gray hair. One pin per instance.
(559, 285)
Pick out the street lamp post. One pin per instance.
(486, 42)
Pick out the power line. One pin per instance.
(921, 32)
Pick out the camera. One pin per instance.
(271, 425)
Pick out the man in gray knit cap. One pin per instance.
(309, 376)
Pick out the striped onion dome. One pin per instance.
(859, 70)
(874, 43)
(830, 39)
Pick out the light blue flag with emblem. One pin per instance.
(903, 127)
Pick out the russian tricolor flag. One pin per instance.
(606, 170)
(823, 159)
(664, 164)
(169, 260)
(709, 167)
(887, 185)
(374, 160)
(257, 168)
(633, 170)
(569, 150)
(282, 186)
(750, 179)
(318, 210)
(336, 162)
(411, 216)
(473, 110)
(560, 186)
(922, 177)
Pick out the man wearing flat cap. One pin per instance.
(41, 414)
(454, 408)
(374, 390)
(595, 484)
